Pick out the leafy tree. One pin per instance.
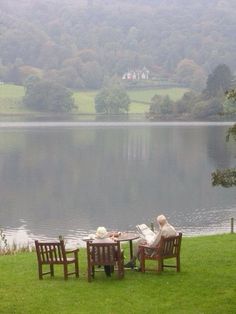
(207, 108)
(230, 103)
(218, 80)
(167, 105)
(30, 81)
(92, 74)
(28, 71)
(161, 105)
(227, 177)
(112, 99)
(229, 106)
(45, 95)
(155, 107)
(191, 74)
(185, 104)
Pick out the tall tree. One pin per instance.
(191, 74)
(112, 99)
(219, 80)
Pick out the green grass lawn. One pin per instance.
(145, 95)
(206, 284)
(11, 99)
(85, 101)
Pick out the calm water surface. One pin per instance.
(68, 178)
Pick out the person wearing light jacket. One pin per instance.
(166, 230)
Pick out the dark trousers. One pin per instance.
(108, 270)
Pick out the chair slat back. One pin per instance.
(103, 253)
(48, 252)
(170, 247)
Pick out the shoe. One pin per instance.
(130, 264)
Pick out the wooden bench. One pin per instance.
(166, 249)
(101, 254)
(54, 253)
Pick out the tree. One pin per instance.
(218, 80)
(186, 103)
(207, 108)
(112, 99)
(191, 74)
(92, 74)
(48, 96)
(161, 105)
(230, 102)
(227, 177)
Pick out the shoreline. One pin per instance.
(32, 124)
(21, 237)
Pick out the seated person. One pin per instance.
(102, 236)
(165, 230)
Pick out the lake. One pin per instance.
(67, 178)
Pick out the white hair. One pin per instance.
(101, 232)
(162, 220)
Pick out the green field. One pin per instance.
(11, 99)
(146, 95)
(205, 284)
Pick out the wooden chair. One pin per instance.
(54, 253)
(100, 254)
(166, 249)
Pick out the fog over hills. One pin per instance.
(78, 43)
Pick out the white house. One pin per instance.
(136, 74)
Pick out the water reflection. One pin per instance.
(68, 180)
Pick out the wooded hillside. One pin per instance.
(78, 43)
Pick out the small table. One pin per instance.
(123, 237)
(128, 236)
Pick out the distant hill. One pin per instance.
(78, 43)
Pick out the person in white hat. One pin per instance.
(165, 230)
(102, 236)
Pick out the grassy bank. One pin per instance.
(206, 284)
(145, 96)
(11, 99)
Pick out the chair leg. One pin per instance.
(52, 270)
(160, 266)
(178, 264)
(40, 268)
(120, 266)
(89, 274)
(65, 266)
(77, 268)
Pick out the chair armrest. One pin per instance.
(145, 246)
(72, 251)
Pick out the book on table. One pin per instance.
(145, 232)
